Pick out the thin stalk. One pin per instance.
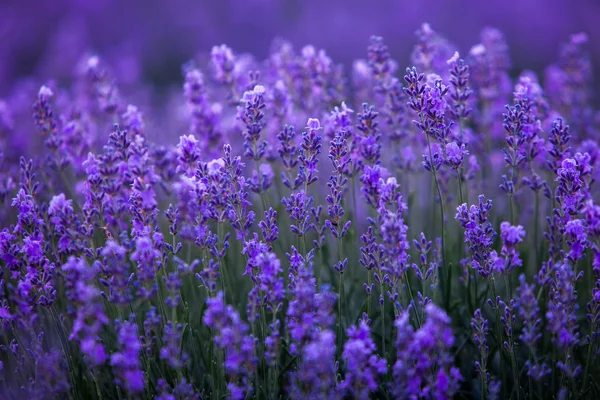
(498, 330)
(511, 209)
(412, 299)
(369, 296)
(460, 190)
(469, 292)
(340, 290)
(340, 319)
(383, 330)
(65, 182)
(444, 259)
(225, 277)
(483, 378)
(61, 334)
(588, 358)
(353, 189)
(529, 378)
(536, 224)
(382, 307)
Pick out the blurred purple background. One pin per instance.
(149, 40)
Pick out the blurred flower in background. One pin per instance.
(150, 40)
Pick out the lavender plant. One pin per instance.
(230, 256)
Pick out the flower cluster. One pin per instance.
(247, 234)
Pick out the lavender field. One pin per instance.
(295, 227)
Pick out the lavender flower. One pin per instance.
(231, 336)
(250, 112)
(89, 314)
(511, 236)
(528, 310)
(455, 155)
(340, 160)
(127, 362)
(115, 229)
(315, 377)
(562, 322)
(479, 235)
(432, 50)
(311, 148)
(460, 91)
(363, 367)
(480, 331)
(421, 353)
(203, 115)
(379, 62)
(288, 152)
(369, 147)
(189, 154)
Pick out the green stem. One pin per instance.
(340, 319)
(383, 330)
(444, 259)
(511, 208)
(355, 211)
(369, 296)
(498, 330)
(529, 378)
(412, 299)
(460, 190)
(536, 223)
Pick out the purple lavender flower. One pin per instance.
(561, 316)
(427, 99)
(48, 122)
(592, 218)
(231, 336)
(369, 148)
(420, 353)
(514, 153)
(479, 235)
(568, 194)
(460, 91)
(339, 156)
(115, 273)
(431, 51)
(568, 82)
(511, 236)
(107, 94)
(489, 63)
(251, 113)
(528, 310)
(559, 139)
(311, 148)
(363, 367)
(455, 155)
(189, 154)
(297, 206)
(203, 114)
(480, 331)
(316, 374)
(379, 62)
(224, 65)
(89, 314)
(309, 312)
(370, 179)
(576, 238)
(394, 242)
(170, 352)
(268, 227)
(317, 78)
(288, 152)
(127, 362)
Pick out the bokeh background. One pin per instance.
(148, 40)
